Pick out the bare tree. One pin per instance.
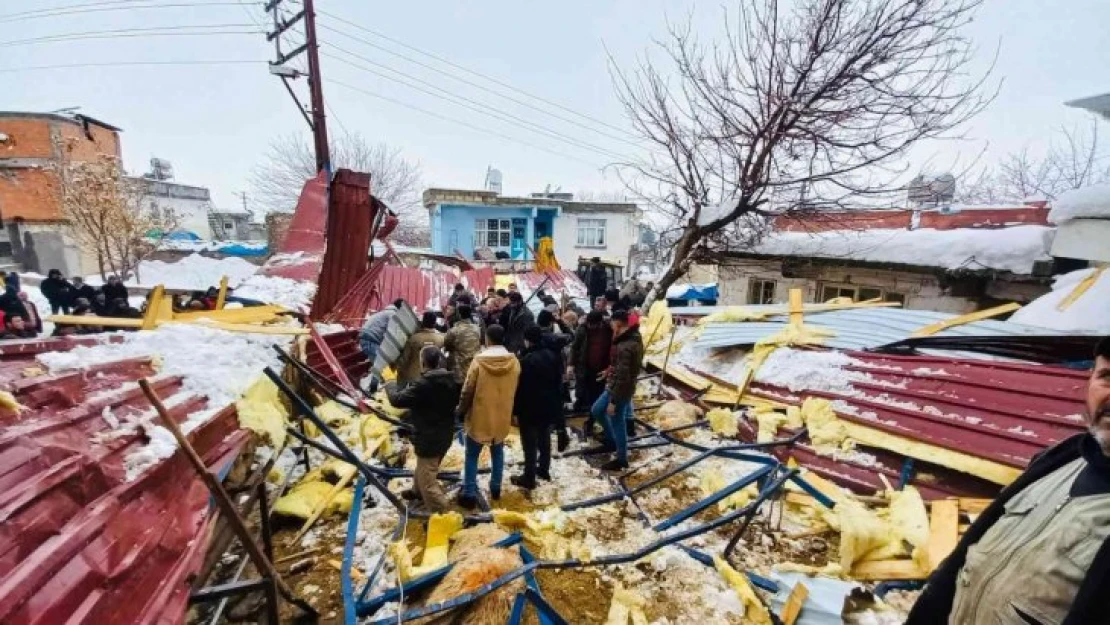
(277, 181)
(812, 104)
(108, 214)
(1072, 160)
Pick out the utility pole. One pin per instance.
(315, 117)
(243, 196)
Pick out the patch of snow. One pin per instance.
(1004, 249)
(1087, 202)
(928, 371)
(212, 363)
(799, 370)
(292, 294)
(1085, 314)
(194, 272)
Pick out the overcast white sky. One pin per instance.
(213, 122)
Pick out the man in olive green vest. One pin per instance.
(1040, 554)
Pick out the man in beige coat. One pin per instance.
(487, 408)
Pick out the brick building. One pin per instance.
(953, 259)
(34, 232)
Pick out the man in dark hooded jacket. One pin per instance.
(597, 280)
(1040, 554)
(58, 291)
(614, 408)
(538, 404)
(431, 401)
(516, 318)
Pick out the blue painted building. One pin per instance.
(463, 221)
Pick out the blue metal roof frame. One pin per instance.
(862, 328)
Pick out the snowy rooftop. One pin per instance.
(1004, 249)
(1088, 202)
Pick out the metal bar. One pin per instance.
(219, 591)
(346, 584)
(284, 26)
(288, 55)
(545, 611)
(533, 585)
(227, 507)
(272, 606)
(666, 359)
(720, 495)
(518, 609)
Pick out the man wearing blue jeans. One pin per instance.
(614, 408)
(486, 405)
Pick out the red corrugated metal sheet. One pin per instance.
(79, 543)
(302, 252)
(1004, 412)
(350, 215)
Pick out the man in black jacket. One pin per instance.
(58, 291)
(538, 405)
(114, 289)
(516, 318)
(431, 401)
(596, 279)
(1040, 553)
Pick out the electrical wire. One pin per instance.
(470, 71)
(71, 6)
(471, 83)
(470, 104)
(128, 64)
(131, 7)
(459, 122)
(154, 31)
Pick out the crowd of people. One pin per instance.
(75, 297)
(490, 363)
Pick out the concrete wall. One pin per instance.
(189, 214)
(620, 235)
(453, 226)
(921, 291)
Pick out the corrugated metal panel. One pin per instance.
(79, 542)
(350, 216)
(300, 255)
(862, 328)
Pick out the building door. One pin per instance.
(519, 228)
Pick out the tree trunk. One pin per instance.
(680, 263)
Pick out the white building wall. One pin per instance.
(191, 215)
(620, 235)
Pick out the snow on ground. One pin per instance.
(216, 364)
(1006, 249)
(194, 272)
(1086, 314)
(276, 290)
(1093, 201)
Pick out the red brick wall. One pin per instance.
(986, 218)
(900, 219)
(31, 192)
(848, 220)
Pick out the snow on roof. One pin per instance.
(1085, 314)
(1012, 249)
(1093, 201)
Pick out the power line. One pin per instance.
(459, 122)
(72, 6)
(471, 72)
(79, 11)
(510, 98)
(128, 64)
(155, 31)
(473, 105)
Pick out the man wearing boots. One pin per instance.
(538, 405)
(614, 408)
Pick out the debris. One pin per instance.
(723, 421)
(626, 608)
(754, 611)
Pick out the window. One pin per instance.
(493, 233)
(228, 226)
(591, 233)
(860, 293)
(761, 291)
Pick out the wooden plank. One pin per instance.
(933, 328)
(973, 506)
(797, 307)
(794, 603)
(944, 531)
(1080, 289)
(221, 299)
(888, 570)
(150, 317)
(106, 322)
